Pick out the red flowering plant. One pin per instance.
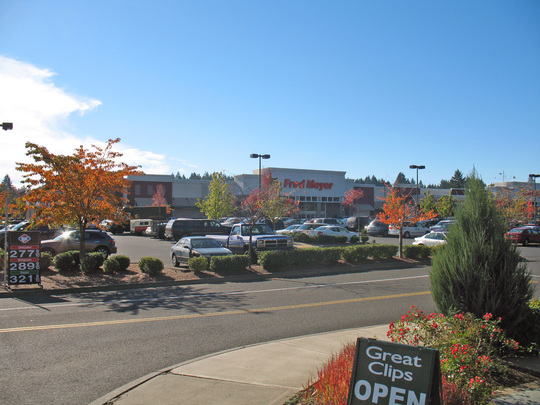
(469, 348)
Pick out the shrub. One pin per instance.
(92, 262)
(66, 262)
(478, 270)
(45, 260)
(112, 265)
(2, 253)
(378, 252)
(469, 348)
(364, 238)
(123, 262)
(279, 259)
(417, 252)
(197, 264)
(355, 239)
(229, 264)
(354, 254)
(151, 266)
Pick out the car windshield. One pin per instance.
(204, 243)
(258, 229)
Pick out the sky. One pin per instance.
(364, 87)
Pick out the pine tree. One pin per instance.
(478, 270)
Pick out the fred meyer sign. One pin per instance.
(307, 184)
(394, 374)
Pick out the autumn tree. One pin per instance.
(399, 209)
(513, 206)
(219, 202)
(352, 196)
(76, 189)
(159, 199)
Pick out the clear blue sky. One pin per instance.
(366, 87)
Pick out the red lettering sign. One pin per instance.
(307, 184)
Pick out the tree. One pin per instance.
(478, 270)
(428, 203)
(219, 202)
(400, 209)
(457, 180)
(76, 189)
(401, 179)
(512, 206)
(446, 206)
(159, 199)
(352, 196)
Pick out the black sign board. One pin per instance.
(392, 373)
(23, 258)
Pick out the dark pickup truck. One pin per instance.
(262, 238)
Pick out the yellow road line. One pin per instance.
(226, 313)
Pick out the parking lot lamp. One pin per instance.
(417, 167)
(534, 176)
(255, 156)
(5, 127)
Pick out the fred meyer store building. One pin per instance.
(319, 193)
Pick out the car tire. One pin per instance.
(103, 250)
(49, 251)
(175, 261)
(406, 234)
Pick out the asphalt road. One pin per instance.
(72, 349)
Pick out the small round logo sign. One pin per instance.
(24, 238)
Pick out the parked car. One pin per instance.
(409, 230)
(377, 227)
(352, 223)
(181, 227)
(305, 228)
(289, 229)
(333, 230)
(431, 239)
(196, 246)
(293, 221)
(524, 235)
(95, 241)
(443, 226)
(45, 231)
(329, 221)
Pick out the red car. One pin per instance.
(524, 235)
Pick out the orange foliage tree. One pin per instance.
(400, 209)
(76, 189)
(352, 196)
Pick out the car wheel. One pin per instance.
(48, 250)
(175, 261)
(103, 250)
(526, 242)
(406, 234)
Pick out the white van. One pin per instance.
(138, 226)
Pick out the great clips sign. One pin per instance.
(307, 184)
(392, 373)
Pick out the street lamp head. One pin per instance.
(7, 125)
(254, 156)
(417, 167)
(265, 156)
(534, 175)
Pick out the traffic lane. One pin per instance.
(78, 365)
(192, 300)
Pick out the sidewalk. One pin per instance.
(262, 374)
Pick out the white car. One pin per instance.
(333, 230)
(289, 229)
(409, 230)
(431, 239)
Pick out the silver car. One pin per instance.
(195, 246)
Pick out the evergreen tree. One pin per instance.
(401, 179)
(478, 270)
(6, 183)
(457, 180)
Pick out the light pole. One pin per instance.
(5, 127)
(417, 167)
(255, 156)
(534, 176)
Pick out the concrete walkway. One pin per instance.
(263, 374)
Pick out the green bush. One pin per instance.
(378, 252)
(45, 260)
(364, 238)
(112, 265)
(229, 264)
(478, 270)
(2, 253)
(66, 262)
(280, 259)
(123, 261)
(417, 252)
(355, 239)
(355, 254)
(197, 264)
(151, 266)
(92, 262)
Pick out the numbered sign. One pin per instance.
(23, 259)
